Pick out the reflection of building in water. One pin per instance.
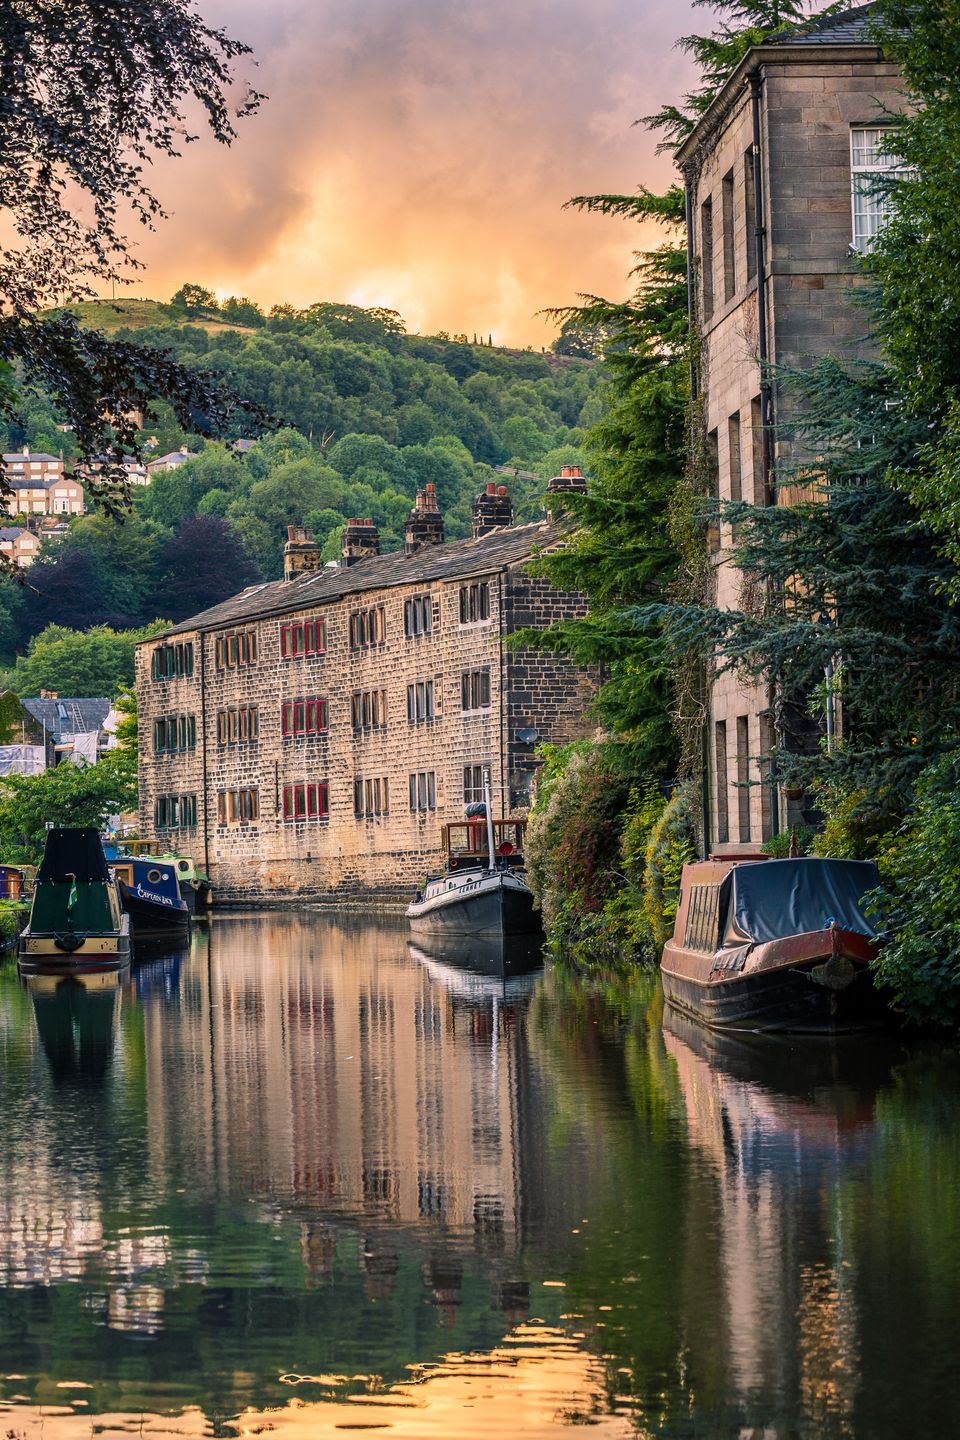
(779, 1127)
(329, 1072)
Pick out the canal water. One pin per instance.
(304, 1178)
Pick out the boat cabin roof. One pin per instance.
(76, 854)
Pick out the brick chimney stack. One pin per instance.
(301, 554)
(492, 509)
(361, 540)
(570, 481)
(424, 523)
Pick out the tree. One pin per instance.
(241, 311)
(194, 299)
(90, 94)
(80, 664)
(78, 795)
(203, 563)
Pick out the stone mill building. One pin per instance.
(310, 737)
(780, 175)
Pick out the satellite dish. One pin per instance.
(528, 737)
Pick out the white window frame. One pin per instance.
(877, 207)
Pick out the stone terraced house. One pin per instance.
(310, 737)
(780, 175)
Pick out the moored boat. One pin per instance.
(195, 887)
(775, 945)
(76, 921)
(150, 894)
(482, 891)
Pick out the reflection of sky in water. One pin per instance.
(307, 1178)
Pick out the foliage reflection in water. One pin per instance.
(309, 1178)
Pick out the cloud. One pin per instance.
(418, 153)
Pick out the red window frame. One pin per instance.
(303, 637)
(306, 801)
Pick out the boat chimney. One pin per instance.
(361, 541)
(492, 509)
(424, 523)
(301, 554)
(570, 481)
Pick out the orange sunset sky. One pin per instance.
(417, 154)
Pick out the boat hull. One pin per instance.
(40, 954)
(819, 982)
(149, 920)
(490, 911)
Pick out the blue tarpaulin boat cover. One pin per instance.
(776, 898)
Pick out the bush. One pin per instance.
(672, 845)
(920, 868)
(778, 848)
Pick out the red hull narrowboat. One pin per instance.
(775, 945)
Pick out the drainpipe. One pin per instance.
(691, 285)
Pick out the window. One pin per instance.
(235, 650)
(173, 661)
(759, 454)
(368, 627)
(420, 702)
(729, 237)
(309, 801)
(720, 770)
(239, 725)
(417, 616)
(238, 807)
(749, 213)
(706, 257)
(423, 791)
(475, 603)
(304, 637)
(475, 689)
(172, 733)
(307, 716)
(368, 709)
(472, 784)
(371, 797)
(175, 812)
(872, 169)
(733, 444)
(743, 777)
(768, 788)
(713, 480)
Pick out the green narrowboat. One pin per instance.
(77, 923)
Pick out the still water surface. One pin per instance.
(302, 1179)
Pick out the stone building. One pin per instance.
(311, 736)
(780, 205)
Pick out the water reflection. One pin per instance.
(75, 1021)
(308, 1175)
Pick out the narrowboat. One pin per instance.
(775, 945)
(195, 888)
(150, 894)
(76, 921)
(482, 891)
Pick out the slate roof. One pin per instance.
(38, 482)
(18, 456)
(12, 532)
(68, 717)
(850, 27)
(457, 559)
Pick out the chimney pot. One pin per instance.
(424, 523)
(492, 510)
(301, 554)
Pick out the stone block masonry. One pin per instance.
(341, 718)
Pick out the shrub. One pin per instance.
(920, 868)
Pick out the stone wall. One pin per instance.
(271, 856)
(807, 110)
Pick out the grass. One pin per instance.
(13, 917)
(129, 314)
